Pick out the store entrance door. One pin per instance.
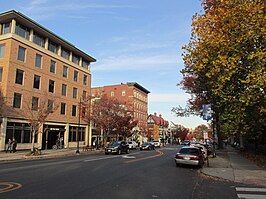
(53, 137)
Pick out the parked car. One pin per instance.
(147, 146)
(132, 145)
(186, 142)
(189, 155)
(202, 148)
(117, 147)
(156, 143)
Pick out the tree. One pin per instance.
(37, 112)
(112, 116)
(200, 130)
(225, 64)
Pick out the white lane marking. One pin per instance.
(95, 159)
(250, 196)
(251, 189)
(110, 157)
(128, 157)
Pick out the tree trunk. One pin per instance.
(218, 131)
(33, 141)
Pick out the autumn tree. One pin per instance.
(37, 112)
(112, 116)
(200, 130)
(225, 65)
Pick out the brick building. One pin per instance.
(37, 64)
(133, 94)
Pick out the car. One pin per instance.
(156, 143)
(132, 145)
(186, 142)
(117, 147)
(189, 155)
(147, 146)
(202, 148)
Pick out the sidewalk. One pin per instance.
(50, 153)
(230, 165)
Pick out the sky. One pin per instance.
(132, 40)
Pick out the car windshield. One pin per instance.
(146, 143)
(114, 144)
(191, 151)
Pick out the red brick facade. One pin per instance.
(133, 94)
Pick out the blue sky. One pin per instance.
(132, 40)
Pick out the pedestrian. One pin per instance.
(14, 145)
(9, 146)
(61, 140)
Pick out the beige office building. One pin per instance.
(37, 65)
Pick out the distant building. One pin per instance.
(36, 64)
(157, 127)
(133, 94)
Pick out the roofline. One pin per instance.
(128, 83)
(34, 23)
(138, 86)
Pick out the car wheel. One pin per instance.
(127, 151)
(106, 153)
(119, 152)
(177, 165)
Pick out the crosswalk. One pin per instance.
(251, 193)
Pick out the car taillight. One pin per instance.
(178, 156)
(195, 158)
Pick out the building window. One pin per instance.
(65, 69)
(52, 66)
(6, 28)
(112, 94)
(63, 108)
(38, 61)
(75, 93)
(21, 53)
(35, 103)
(51, 86)
(64, 89)
(75, 59)
(123, 93)
(36, 81)
(1, 74)
(84, 95)
(17, 100)
(19, 76)
(38, 39)
(22, 31)
(2, 50)
(65, 53)
(53, 47)
(50, 105)
(76, 75)
(85, 80)
(74, 110)
(85, 64)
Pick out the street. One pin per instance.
(140, 174)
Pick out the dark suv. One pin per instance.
(117, 147)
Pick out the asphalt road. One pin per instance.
(138, 175)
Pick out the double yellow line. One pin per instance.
(146, 158)
(9, 186)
